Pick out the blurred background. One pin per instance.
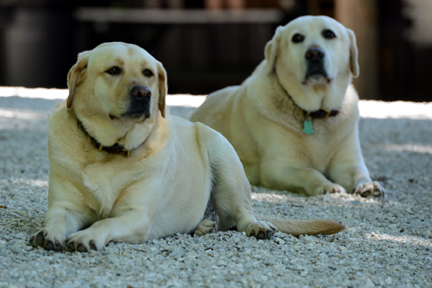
(206, 45)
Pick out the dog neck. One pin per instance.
(114, 149)
(317, 114)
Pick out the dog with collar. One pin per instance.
(123, 170)
(294, 121)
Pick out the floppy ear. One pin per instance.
(354, 65)
(272, 48)
(74, 74)
(162, 86)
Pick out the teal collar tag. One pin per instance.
(308, 129)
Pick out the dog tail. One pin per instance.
(301, 227)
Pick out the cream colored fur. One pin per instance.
(264, 123)
(176, 167)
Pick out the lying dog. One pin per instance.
(123, 168)
(293, 122)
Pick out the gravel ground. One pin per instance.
(388, 243)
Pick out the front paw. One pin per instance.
(327, 188)
(46, 239)
(83, 241)
(366, 189)
(261, 230)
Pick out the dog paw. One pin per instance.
(47, 240)
(205, 227)
(369, 189)
(83, 241)
(261, 230)
(328, 188)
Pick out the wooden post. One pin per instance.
(152, 4)
(321, 7)
(362, 18)
(213, 4)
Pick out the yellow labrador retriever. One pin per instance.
(293, 122)
(122, 167)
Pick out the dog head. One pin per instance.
(117, 91)
(315, 58)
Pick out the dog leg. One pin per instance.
(232, 195)
(349, 170)
(278, 174)
(132, 226)
(60, 222)
(65, 215)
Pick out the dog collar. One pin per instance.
(321, 113)
(114, 149)
(318, 114)
(309, 115)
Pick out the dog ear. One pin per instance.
(354, 65)
(74, 74)
(163, 88)
(272, 49)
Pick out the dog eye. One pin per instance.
(297, 38)
(328, 34)
(113, 70)
(148, 73)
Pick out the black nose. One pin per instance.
(314, 54)
(141, 93)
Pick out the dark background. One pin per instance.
(40, 40)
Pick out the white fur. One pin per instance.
(264, 123)
(162, 188)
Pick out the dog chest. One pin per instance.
(322, 147)
(104, 185)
